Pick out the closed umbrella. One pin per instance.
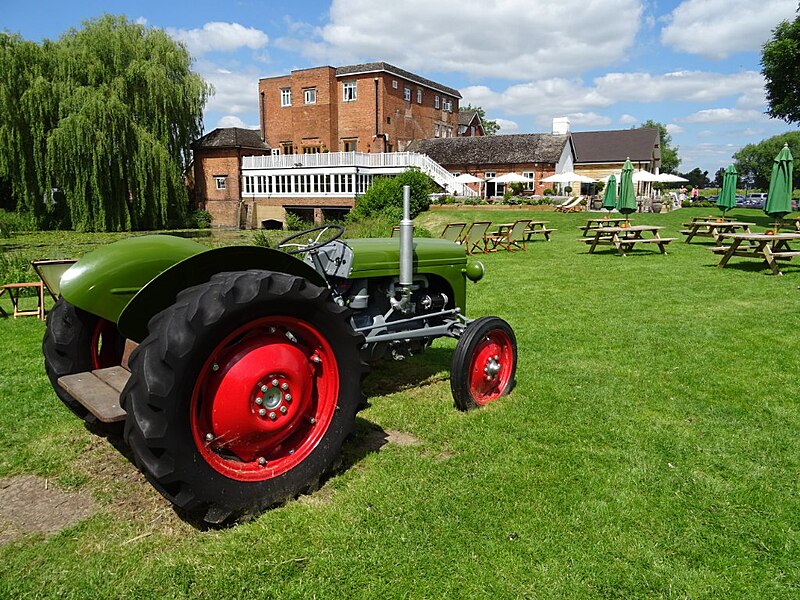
(610, 198)
(779, 198)
(727, 197)
(626, 203)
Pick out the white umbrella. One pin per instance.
(467, 178)
(644, 176)
(568, 177)
(670, 178)
(510, 178)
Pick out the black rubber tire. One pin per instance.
(67, 348)
(461, 372)
(166, 366)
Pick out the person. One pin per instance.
(695, 192)
(682, 195)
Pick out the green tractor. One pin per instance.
(237, 371)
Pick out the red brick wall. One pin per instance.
(331, 121)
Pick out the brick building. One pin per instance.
(217, 167)
(533, 155)
(373, 107)
(470, 124)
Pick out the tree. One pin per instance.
(754, 161)
(489, 127)
(697, 178)
(669, 155)
(719, 177)
(106, 114)
(384, 198)
(780, 65)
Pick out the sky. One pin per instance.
(692, 65)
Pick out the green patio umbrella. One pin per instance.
(779, 198)
(610, 198)
(626, 203)
(727, 197)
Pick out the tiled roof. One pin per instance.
(493, 149)
(382, 66)
(231, 137)
(616, 146)
(465, 117)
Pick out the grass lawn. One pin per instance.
(650, 449)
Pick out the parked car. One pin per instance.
(756, 200)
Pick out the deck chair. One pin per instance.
(564, 203)
(571, 206)
(453, 232)
(511, 237)
(475, 237)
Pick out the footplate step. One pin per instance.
(98, 391)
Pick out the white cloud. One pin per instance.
(234, 93)
(590, 119)
(506, 126)
(628, 120)
(233, 121)
(514, 39)
(724, 115)
(219, 37)
(718, 28)
(673, 129)
(690, 86)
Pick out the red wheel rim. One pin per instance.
(105, 352)
(491, 366)
(264, 398)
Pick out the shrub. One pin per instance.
(261, 238)
(11, 222)
(200, 219)
(548, 192)
(516, 188)
(385, 196)
(295, 223)
(568, 189)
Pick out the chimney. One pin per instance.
(560, 125)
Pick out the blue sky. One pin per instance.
(605, 64)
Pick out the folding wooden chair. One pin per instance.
(475, 237)
(453, 232)
(510, 237)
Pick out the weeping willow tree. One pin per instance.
(106, 114)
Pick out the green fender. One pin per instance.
(128, 282)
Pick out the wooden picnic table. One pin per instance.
(713, 228)
(602, 222)
(769, 247)
(538, 228)
(711, 218)
(625, 238)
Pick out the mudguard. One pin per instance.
(131, 280)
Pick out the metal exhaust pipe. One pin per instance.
(406, 241)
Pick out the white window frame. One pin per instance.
(221, 182)
(532, 176)
(276, 152)
(407, 94)
(286, 97)
(310, 95)
(394, 84)
(436, 102)
(419, 96)
(436, 130)
(349, 91)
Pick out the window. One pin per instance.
(249, 184)
(286, 96)
(436, 102)
(394, 83)
(388, 120)
(419, 96)
(287, 148)
(310, 96)
(349, 145)
(407, 94)
(489, 174)
(276, 151)
(311, 150)
(220, 181)
(436, 130)
(349, 91)
(449, 132)
(447, 105)
(529, 175)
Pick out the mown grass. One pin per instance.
(650, 449)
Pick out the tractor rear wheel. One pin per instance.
(242, 393)
(484, 363)
(76, 341)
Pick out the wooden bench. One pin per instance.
(14, 290)
(545, 232)
(651, 240)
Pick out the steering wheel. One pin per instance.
(313, 242)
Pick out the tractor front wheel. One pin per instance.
(243, 392)
(484, 363)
